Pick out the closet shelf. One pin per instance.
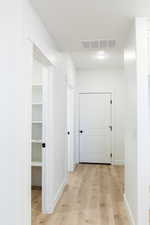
(37, 141)
(37, 103)
(37, 164)
(36, 122)
(37, 85)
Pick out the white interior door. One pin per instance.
(70, 127)
(45, 142)
(95, 128)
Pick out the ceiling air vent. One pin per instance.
(98, 44)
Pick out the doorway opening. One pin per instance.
(40, 146)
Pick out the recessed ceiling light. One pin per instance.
(100, 55)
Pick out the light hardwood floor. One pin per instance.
(94, 196)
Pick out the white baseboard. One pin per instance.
(58, 196)
(129, 211)
(75, 166)
(72, 169)
(149, 201)
(118, 162)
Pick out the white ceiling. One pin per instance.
(70, 21)
(89, 60)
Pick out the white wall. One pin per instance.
(71, 71)
(58, 167)
(108, 79)
(12, 140)
(136, 139)
(131, 123)
(19, 24)
(35, 31)
(71, 85)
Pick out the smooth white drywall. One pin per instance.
(71, 85)
(131, 123)
(36, 32)
(13, 116)
(58, 168)
(142, 29)
(20, 25)
(107, 80)
(136, 135)
(71, 72)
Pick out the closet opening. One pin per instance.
(40, 143)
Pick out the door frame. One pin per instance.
(70, 126)
(45, 132)
(30, 44)
(111, 92)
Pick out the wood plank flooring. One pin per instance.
(94, 196)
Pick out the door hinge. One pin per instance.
(110, 155)
(111, 101)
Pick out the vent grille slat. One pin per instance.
(98, 44)
(94, 44)
(86, 44)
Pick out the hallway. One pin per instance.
(93, 196)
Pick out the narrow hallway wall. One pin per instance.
(21, 27)
(137, 125)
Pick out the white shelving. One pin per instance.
(37, 141)
(36, 164)
(37, 103)
(37, 85)
(37, 91)
(37, 122)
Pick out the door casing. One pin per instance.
(47, 134)
(70, 127)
